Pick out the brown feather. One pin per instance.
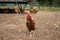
(30, 25)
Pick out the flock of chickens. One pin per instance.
(32, 10)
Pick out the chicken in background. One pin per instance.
(21, 10)
(16, 10)
(34, 10)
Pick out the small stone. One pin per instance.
(56, 25)
(19, 30)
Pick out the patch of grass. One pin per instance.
(48, 8)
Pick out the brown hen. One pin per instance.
(30, 23)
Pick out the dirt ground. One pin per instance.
(13, 26)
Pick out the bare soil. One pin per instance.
(13, 26)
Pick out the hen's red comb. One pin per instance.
(28, 16)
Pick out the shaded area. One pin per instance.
(7, 10)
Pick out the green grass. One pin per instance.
(44, 8)
(48, 8)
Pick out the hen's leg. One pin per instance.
(32, 33)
